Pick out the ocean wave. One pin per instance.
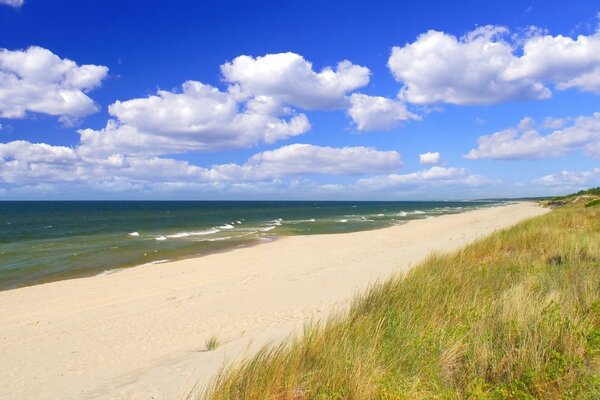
(160, 238)
(268, 228)
(402, 214)
(248, 233)
(226, 226)
(343, 220)
(196, 233)
(133, 234)
(300, 221)
(217, 239)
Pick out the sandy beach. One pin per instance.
(139, 333)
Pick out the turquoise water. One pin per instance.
(53, 240)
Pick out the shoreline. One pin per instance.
(141, 332)
(83, 273)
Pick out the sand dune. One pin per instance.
(139, 333)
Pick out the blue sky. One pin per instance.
(298, 100)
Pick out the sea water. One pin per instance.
(42, 241)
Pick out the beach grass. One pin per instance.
(515, 315)
(593, 203)
(211, 343)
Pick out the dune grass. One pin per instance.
(211, 343)
(513, 316)
(593, 203)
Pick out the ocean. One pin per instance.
(43, 241)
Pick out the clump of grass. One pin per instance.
(593, 203)
(211, 343)
(513, 316)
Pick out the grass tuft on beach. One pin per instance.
(211, 343)
(515, 315)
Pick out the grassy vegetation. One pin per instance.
(593, 203)
(593, 191)
(211, 343)
(581, 196)
(513, 316)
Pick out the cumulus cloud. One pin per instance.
(371, 113)
(432, 176)
(430, 158)
(525, 141)
(37, 80)
(441, 68)
(199, 117)
(13, 3)
(305, 159)
(561, 60)
(33, 168)
(570, 178)
(290, 79)
(488, 66)
(22, 162)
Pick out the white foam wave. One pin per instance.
(343, 220)
(267, 229)
(134, 234)
(160, 238)
(402, 214)
(226, 226)
(196, 233)
(218, 239)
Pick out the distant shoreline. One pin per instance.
(49, 250)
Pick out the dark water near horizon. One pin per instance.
(42, 241)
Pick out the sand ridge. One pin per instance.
(139, 333)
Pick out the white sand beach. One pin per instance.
(139, 333)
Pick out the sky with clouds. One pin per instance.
(298, 100)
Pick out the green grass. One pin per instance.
(593, 191)
(574, 197)
(211, 343)
(593, 203)
(513, 316)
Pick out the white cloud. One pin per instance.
(433, 176)
(569, 178)
(305, 159)
(37, 80)
(200, 117)
(487, 66)
(289, 78)
(555, 123)
(23, 162)
(440, 68)
(13, 3)
(560, 60)
(429, 158)
(371, 113)
(525, 142)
